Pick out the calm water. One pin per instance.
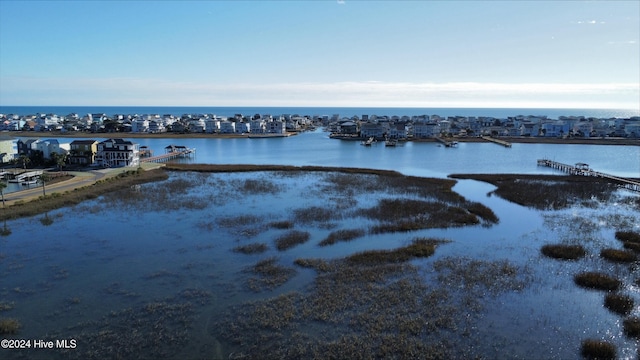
(100, 264)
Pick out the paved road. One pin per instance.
(80, 179)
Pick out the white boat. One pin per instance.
(29, 182)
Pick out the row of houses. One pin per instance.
(107, 153)
(425, 126)
(155, 123)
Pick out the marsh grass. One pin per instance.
(315, 214)
(291, 239)
(419, 248)
(546, 191)
(478, 276)
(616, 255)
(239, 221)
(598, 281)
(631, 327)
(358, 310)
(283, 225)
(259, 186)
(402, 215)
(564, 252)
(619, 303)
(593, 349)
(270, 275)
(256, 248)
(9, 326)
(342, 235)
(634, 246)
(628, 236)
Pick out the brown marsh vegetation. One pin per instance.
(342, 235)
(292, 238)
(9, 326)
(417, 249)
(368, 309)
(619, 303)
(255, 248)
(546, 191)
(598, 281)
(598, 349)
(616, 255)
(631, 327)
(269, 274)
(564, 252)
(628, 236)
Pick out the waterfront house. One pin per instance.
(529, 129)
(243, 127)
(632, 129)
(212, 125)
(426, 129)
(277, 127)
(227, 127)
(8, 149)
(398, 131)
(140, 124)
(118, 153)
(83, 152)
(369, 129)
(257, 126)
(50, 146)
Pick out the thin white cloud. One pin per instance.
(153, 92)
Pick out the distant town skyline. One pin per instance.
(515, 54)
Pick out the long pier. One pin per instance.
(177, 152)
(582, 169)
(497, 141)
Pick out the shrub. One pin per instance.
(618, 303)
(618, 255)
(565, 252)
(598, 281)
(598, 349)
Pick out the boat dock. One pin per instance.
(582, 169)
(446, 143)
(29, 175)
(172, 152)
(497, 141)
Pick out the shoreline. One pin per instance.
(27, 203)
(517, 139)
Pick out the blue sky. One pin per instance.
(566, 54)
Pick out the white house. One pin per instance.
(423, 130)
(118, 153)
(227, 127)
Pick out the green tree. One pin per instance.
(3, 185)
(24, 159)
(44, 178)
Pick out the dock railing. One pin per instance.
(582, 169)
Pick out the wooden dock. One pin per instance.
(174, 153)
(497, 141)
(446, 143)
(582, 169)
